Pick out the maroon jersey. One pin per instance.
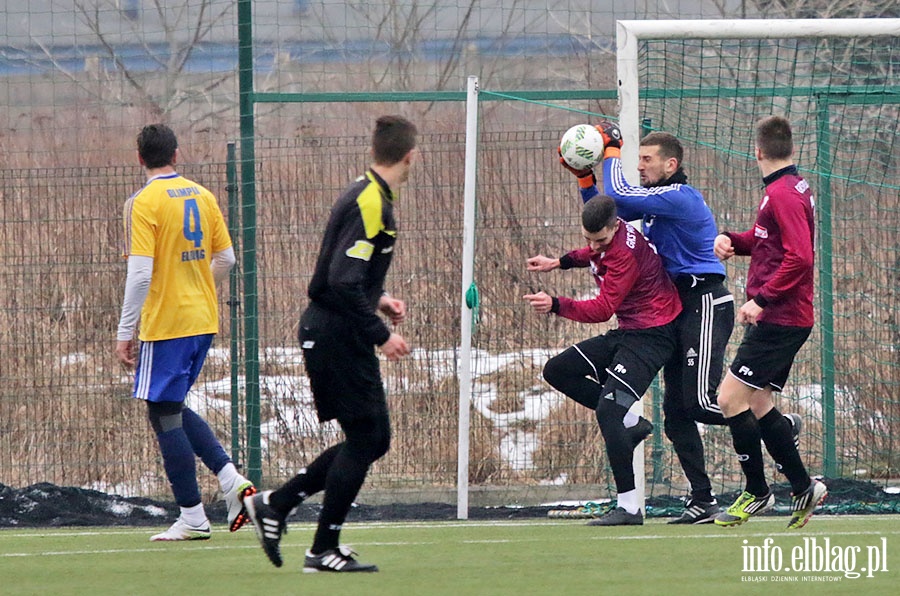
(781, 251)
(633, 284)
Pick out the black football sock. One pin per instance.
(345, 477)
(309, 481)
(619, 449)
(776, 434)
(745, 437)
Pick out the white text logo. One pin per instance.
(814, 556)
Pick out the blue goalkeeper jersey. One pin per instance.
(674, 217)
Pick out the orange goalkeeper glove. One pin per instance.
(612, 139)
(586, 178)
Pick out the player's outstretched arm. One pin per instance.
(542, 263)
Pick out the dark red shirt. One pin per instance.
(780, 245)
(633, 284)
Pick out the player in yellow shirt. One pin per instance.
(178, 248)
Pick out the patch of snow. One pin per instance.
(74, 358)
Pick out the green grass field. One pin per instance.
(557, 557)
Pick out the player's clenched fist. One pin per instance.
(722, 247)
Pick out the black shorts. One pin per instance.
(693, 374)
(344, 371)
(625, 361)
(766, 354)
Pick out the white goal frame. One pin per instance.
(629, 35)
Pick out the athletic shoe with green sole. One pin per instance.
(804, 504)
(746, 506)
(181, 530)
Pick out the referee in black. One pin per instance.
(338, 334)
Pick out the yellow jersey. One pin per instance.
(179, 224)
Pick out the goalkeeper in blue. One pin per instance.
(677, 220)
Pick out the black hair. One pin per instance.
(598, 213)
(669, 145)
(156, 145)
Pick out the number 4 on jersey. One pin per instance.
(192, 228)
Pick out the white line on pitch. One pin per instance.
(596, 537)
(135, 530)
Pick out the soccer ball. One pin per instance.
(582, 146)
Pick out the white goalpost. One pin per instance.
(466, 312)
(630, 34)
(632, 38)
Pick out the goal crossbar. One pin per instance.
(630, 34)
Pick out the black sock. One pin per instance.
(308, 482)
(345, 477)
(745, 436)
(619, 450)
(776, 434)
(688, 445)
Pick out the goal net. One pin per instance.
(836, 80)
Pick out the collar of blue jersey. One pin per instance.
(787, 170)
(384, 185)
(679, 177)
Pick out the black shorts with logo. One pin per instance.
(625, 361)
(767, 353)
(343, 369)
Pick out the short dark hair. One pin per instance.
(394, 137)
(156, 144)
(598, 213)
(774, 138)
(669, 145)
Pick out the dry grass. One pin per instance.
(64, 412)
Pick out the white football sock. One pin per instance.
(630, 419)
(194, 516)
(227, 477)
(629, 501)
